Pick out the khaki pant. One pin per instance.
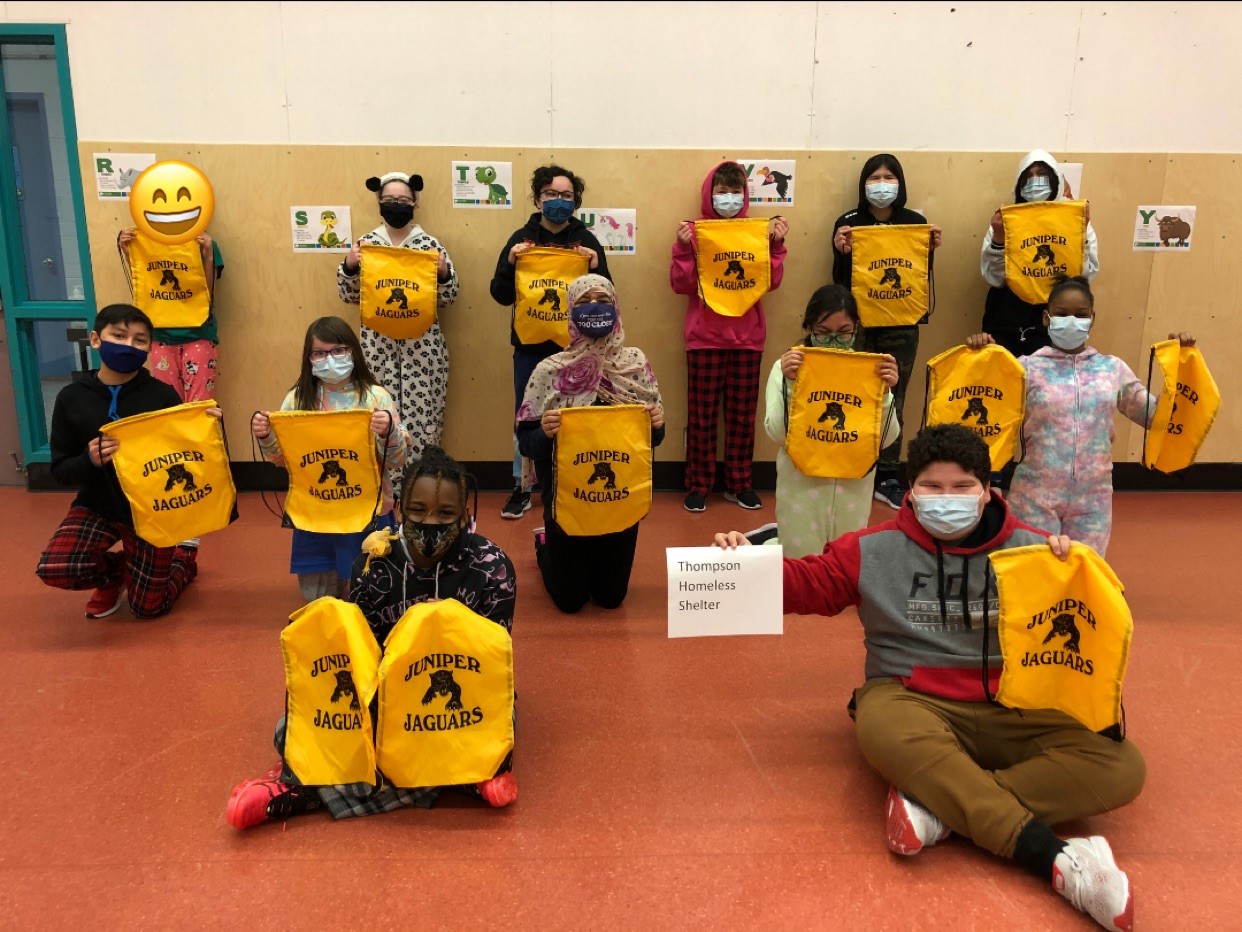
(985, 770)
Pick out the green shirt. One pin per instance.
(208, 330)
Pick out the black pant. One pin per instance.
(580, 569)
(902, 343)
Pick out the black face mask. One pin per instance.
(397, 216)
(430, 541)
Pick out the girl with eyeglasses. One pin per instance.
(335, 377)
(556, 193)
(415, 372)
(811, 511)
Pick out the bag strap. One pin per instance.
(258, 457)
(383, 466)
(931, 279)
(1151, 364)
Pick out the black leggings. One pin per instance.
(580, 569)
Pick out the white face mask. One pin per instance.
(1068, 333)
(947, 517)
(881, 193)
(1036, 189)
(333, 369)
(727, 205)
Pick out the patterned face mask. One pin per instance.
(837, 341)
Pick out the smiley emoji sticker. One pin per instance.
(171, 202)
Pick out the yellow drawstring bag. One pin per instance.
(1185, 410)
(1064, 631)
(734, 262)
(334, 477)
(602, 468)
(890, 273)
(1042, 241)
(168, 282)
(835, 413)
(445, 697)
(331, 670)
(984, 390)
(397, 290)
(542, 277)
(173, 466)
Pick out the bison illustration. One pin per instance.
(398, 298)
(604, 471)
(1044, 251)
(333, 470)
(976, 408)
(443, 684)
(1173, 228)
(833, 409)
(345, 687)
(179, 474)
(890, 277)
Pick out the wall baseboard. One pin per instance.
(670, 477)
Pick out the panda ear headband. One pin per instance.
(415, 182)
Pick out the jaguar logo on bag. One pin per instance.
(1187, 407)
(984, 390)
(734, 263)
(541, 278)
(173, 467)
(1042, 242)
(168, 282)
(602, 468)
(890, 273)
(835, 412)
(397, 290)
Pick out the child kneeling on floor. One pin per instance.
(435, 557)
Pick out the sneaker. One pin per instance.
(517, 505)
(911, 828)
(190, 543)
(1086, 875)
(889, 492)
(747, 499)
(695, 502)
(104, 601)
(500, 791)
(275, 771)
(254, 802)
(761, 535)
(541, 539)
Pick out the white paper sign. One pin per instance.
(716, 592)
(483, 184)
(321, 228)
(1163, 229)
(115, 172)
(616, 228)
(769, 181)
(1072, 173)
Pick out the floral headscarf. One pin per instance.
(589, 370)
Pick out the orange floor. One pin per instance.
(708, 783)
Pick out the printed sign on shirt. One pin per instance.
(115, 172)
(616, 228)
(483, 184)
(1163, 228)
(321, 228)
(769, 181)
(720, 592)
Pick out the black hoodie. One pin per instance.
(503, 289)
(81, 409)
(861, 216)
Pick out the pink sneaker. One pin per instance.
(911, 828)
(254, 802)
(104, 601)
(500, 791)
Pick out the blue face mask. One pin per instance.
(881, 193)
(727, 205)
(122, 358)
(947, 517)
(1068, 333)
(1036, 189)
(558, 211)
(594, 320)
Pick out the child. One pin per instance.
(557, 193)
(78, 555)
(723, 354)
(882, 201)
(597, 369)
(335, 377)
(185, 357)
(956, 762)
(436, 557)
(811, 511)
(415, 372)
(1012, 323)
(1064, 482)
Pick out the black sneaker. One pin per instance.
(695, 502)
(747, 499)
(517, 505)
(761, 535)
(890, 493)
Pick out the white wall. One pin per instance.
(949, 76)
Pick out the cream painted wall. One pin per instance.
(953, 76)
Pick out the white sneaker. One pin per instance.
(1086, 875)
(911, 828)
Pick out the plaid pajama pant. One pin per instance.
(77, 557)
(733, 374)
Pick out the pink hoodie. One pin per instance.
(705, 329)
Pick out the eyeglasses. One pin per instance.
(340, 352)
(845, 334)
(550, 195)
(390, 201)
